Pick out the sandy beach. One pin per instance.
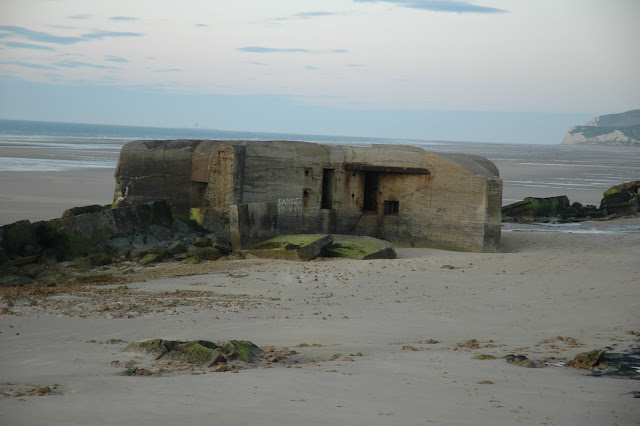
(386, 342)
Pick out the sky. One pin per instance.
(488, 70)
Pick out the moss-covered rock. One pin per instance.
(150, 259)
(94, 278)
(243, 350)
(200, 352)
(15, 281)
(153, 349)
(483, 357)
(520, 360)
(587, 360)
(208, 253)
(19, 261)
(193, 260)
(75, 211)
(14, 237)
(100, 259)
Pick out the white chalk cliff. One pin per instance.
(611, 129)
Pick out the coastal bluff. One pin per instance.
(611, 129)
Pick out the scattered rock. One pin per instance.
(520, 360)
(150, 259)
(409, 348)
(469, 344)
(208, 253)
(587, 360)
(198, 352)
(484, 357)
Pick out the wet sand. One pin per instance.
(45, 195)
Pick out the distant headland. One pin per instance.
(611, 129)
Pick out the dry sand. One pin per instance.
(399, 328)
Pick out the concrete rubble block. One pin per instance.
(360, 247)
(622, 199)
(160, 232)
(208, 253)
(301, 247)
(16, 236)
(75, 211)
(176, 247)
(220, 243)
(180, 227)
(532, 207)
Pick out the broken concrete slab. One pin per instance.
(360, 247)
(302, 247)
(532, 207)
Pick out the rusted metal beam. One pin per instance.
(359, 167)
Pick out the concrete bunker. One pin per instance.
(250, 191)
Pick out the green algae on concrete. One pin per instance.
(302, 247)
(360, 247)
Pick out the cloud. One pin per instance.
(453, 6)
(201, 25)
(99, 35)
(257, 63)
(78, 64)
(20, 45)
(80, 16)
(111, 58)
(29, 65)
(43, 37)
(311, 68)
(355, 65)
(169, 70)
(40, 36)
(261, 49)
(307, 15)
(123, 18)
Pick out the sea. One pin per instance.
(536, 170)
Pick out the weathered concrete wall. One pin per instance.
(253, 223)
(155, 170)
(450, 201)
